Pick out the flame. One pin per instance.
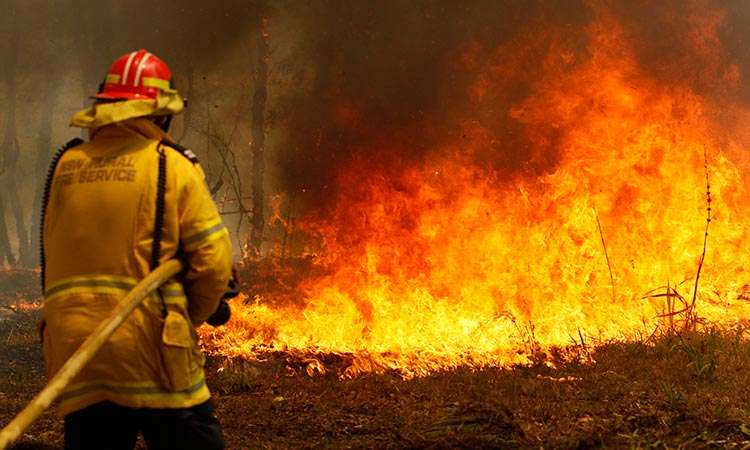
(583, 223)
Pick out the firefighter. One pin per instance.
(116, 206)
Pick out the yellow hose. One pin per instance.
(86, 351)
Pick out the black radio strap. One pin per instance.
(161, 185)
(45, 199)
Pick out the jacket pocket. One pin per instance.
(176, 350)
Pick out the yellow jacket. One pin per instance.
(97, 242)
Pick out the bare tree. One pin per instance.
(44, 147)
(258, 131)
(10, 146)
(9, 141)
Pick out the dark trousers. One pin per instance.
(109, 426)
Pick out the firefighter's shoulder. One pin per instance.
(184, 151)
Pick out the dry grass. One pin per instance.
(681, 391)
(678, 390)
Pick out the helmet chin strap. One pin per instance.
(163, 122)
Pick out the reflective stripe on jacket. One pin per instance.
(98, 236)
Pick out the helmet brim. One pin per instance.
(114, 96)
(110, 110)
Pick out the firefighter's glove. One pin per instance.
(221, 315)
(223, 311)
(233, 290)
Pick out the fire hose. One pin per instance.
(86, 351)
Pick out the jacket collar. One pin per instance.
(140, 127)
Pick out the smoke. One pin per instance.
(390, 79)
(391, 82)
(55, 54)
(384, 83)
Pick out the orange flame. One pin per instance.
(451, 260)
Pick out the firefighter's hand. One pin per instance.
(224, 312)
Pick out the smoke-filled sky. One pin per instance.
(344, 76)
(402, 75)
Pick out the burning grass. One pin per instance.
(494, 283)
(673, 389)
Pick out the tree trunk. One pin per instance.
(6, 254)
(258, 142)
(188, 93)
(41, 167)
(24, 254)
(10, 157)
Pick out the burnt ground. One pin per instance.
(680, 390)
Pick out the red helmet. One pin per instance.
(137, 75)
